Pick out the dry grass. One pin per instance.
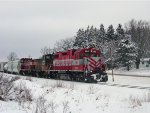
(15, 78)
(6, 87)
(91, 89)
(65, 106)
(28, 78)
(146, 97)
(41, 106)
(136, 101)
(72, 86)
(23, 94)
(59, 84)
(53, 107)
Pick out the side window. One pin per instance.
(56, 56)
(87, 53)
(47, 57)
(81, 56)
(76, 56)
(93, 55)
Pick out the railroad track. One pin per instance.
(129, 75)
(125, 85)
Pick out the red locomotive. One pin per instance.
(81, 65)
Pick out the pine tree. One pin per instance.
(120, 32)
(93, 37)
(125, 54)
(101, 34)
(86, 34)
(110, 33)
(80, 39)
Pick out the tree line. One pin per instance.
(126, 44)
(123, 45)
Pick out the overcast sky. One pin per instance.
(28, 26)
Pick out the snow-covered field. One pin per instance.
(75, 97)
(143, 71)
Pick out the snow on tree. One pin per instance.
(64, 44)
(140, 34)
(120, 32)
(80, 39)
(91, 39)
(46, 50)
(12, 56)
(102, 34)
(110, 33)
(101, 42)
(86, 38)
(126, 54)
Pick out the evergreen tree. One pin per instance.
(120, 32)
(125, 54)
(101, 35)
(110, 33)
(93, 37)
(91, 34)
(86, 34)
(80, 39)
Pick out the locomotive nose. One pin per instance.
(92, 63)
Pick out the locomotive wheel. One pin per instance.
(21, 73)
(105, 79)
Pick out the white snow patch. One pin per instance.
(81, 97)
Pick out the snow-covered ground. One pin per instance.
(75, 97)
(142, 71)
(128, 80)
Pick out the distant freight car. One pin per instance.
(2, 66)
(21, 66)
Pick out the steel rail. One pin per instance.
(130, 75)
(125, 85)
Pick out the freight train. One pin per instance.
(84, 64)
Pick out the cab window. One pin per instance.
(56, 56)
(87, 53)
(93, 55)
(76, 56)
(81, 56)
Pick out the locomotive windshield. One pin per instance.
(87, 53)
(92, 53)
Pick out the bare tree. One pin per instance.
(6, 87)
(65, 106)
(46, 50)
(140, 34)
(64, 44)
(12, 57)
